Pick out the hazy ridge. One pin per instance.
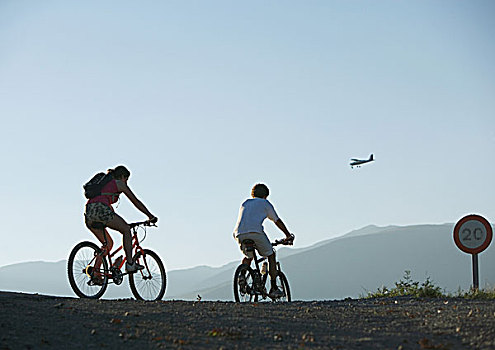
(347, 266)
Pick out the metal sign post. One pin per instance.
(472, 235)
(476, 276)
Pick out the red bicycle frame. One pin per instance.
(135, 247)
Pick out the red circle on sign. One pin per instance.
(488, 239)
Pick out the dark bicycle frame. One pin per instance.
(259, 288)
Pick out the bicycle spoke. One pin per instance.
(82, 257)
(283, 285)
(244, 286)
(150, 287)
(245, 294)
(149, 283)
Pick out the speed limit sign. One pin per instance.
(473, 234)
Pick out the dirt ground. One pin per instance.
(32, 321)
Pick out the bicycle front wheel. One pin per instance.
(244, 289)
(283, 285)
(85, 280)
(148, 284)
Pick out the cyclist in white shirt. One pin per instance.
(250, 226)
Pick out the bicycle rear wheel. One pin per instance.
(148, 284)
(244, 285)
(82, 275)
(283, 285)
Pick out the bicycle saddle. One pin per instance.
(248, 245)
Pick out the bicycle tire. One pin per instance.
(283, 284)
(150, 283)
(243, 294)
(81, 256)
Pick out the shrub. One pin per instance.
(407, 287)
(477, 294)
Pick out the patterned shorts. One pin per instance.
(99, 212)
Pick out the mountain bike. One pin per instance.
(250, 284)
(91, 269)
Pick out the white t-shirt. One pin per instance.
(252, 214)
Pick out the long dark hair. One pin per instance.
(119, 172)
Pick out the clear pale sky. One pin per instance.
(203, 99)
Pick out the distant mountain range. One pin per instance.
(347, 266)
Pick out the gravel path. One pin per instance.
(30, 321)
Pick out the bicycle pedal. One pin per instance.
(93, 282)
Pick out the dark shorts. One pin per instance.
(99, 212)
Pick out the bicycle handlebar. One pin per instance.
(151, 222)
(285, 241)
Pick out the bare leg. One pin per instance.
(99, 233)
(272, 266)
(119, 224)
(105, 240)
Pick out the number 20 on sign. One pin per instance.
(472, 235)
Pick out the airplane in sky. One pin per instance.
(359, 162)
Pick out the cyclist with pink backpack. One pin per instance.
(103, 190)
